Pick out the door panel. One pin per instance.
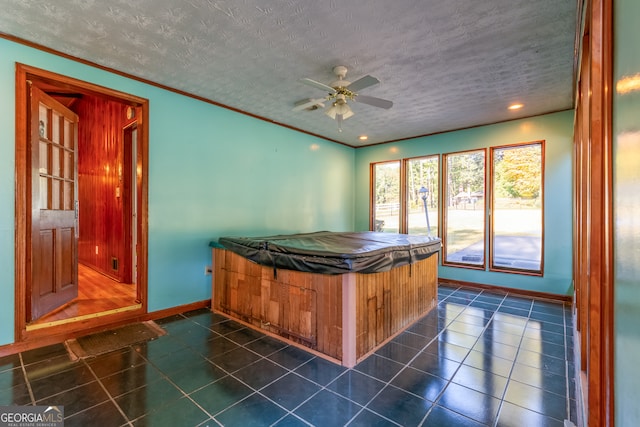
(54, 231)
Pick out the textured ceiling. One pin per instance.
(446, 65)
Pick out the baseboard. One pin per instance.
(505, 290)
(155, 315)
(119, 320)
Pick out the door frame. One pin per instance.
(593, 233)
(23, 256)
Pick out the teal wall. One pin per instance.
(557, 130)
(7, 196)
(212, 172)
(626, 176)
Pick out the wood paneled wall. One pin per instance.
(102, 178)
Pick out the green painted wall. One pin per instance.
(626, 176)
(212, 172)
(557, 130)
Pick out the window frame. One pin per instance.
(445, 197)
(372, 193)
(405, 217)
(502, 269)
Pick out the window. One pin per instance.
(386, 197)
(422, 195)
(516, 226)
(464, 214)
(406, 198)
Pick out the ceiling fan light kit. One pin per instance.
(339, 92)
(339, 109)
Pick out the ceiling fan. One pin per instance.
(339, 92)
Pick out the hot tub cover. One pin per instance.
(333, 253)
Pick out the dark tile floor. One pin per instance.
(479, 359)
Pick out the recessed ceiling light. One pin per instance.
(515, 106)
(363, 137)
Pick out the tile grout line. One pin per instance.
(26, 380)
(192, 345)
(450, 380)
(111, 398)
(165, 377)
(254, 391)
(292, 371)
(484, 329)
(405, 365)
(513, 365)
(566, 364)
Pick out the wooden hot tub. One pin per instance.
(342, 295)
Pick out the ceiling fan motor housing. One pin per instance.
(340, 71)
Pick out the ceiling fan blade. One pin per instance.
(376, 102)
(312, 102)
(318, 85)
(363, 83)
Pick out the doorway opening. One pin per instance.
(81, 155)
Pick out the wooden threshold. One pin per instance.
(43, 325)
(98, 295)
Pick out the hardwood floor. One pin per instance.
(97, 294)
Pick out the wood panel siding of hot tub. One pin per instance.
(389, 302)
(344, 317)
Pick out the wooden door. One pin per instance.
(54, 217)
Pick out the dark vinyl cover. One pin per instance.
(334, 253)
